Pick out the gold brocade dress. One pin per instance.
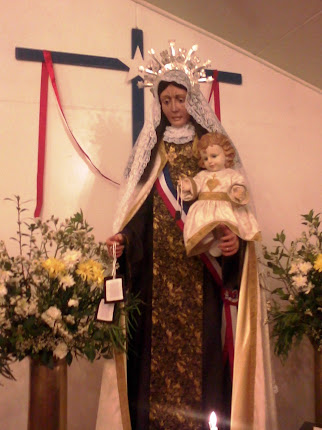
(176, 349)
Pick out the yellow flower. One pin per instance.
(98, 272)
(54, 267)
(318, 263)
(91, 271)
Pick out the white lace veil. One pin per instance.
(197, 106)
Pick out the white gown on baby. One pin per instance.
(222, 199)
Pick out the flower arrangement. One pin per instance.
(296, 306)
(50, 292)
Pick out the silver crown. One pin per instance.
(173, 59)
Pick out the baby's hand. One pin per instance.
(238, 192)
(184, 184)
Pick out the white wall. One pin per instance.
(272, 119)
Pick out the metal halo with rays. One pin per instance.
(174, 59)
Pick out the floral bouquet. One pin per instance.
(50, 292)
(296, 306)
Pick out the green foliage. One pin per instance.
(295, 308)
(50, 292)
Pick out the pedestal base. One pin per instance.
(318, 386)
(47, 396)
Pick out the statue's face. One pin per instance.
(173, 105)
(213, 158)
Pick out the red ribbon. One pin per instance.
(215, 91)
(228, 348)
(48, 70)
(42, 138)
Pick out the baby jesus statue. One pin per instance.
(221, 198)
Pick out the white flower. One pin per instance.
(70, 319)
(71, 258)
(33, 307)
(308, 312)
(13, 300)
(291, 298)
(61, 350)
(7, 325)
(67, 281)
(294, 268)
(305, 267)
(73, 302)
(22, 307)
(5, 275)
(54, 313)
(299, 281)
(63, 332)
(268, 305)
(3, 290)
(51, 315)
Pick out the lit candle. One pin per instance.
(213, 421)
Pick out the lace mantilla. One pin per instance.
(179, 135)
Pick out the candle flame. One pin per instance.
(212, 420)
